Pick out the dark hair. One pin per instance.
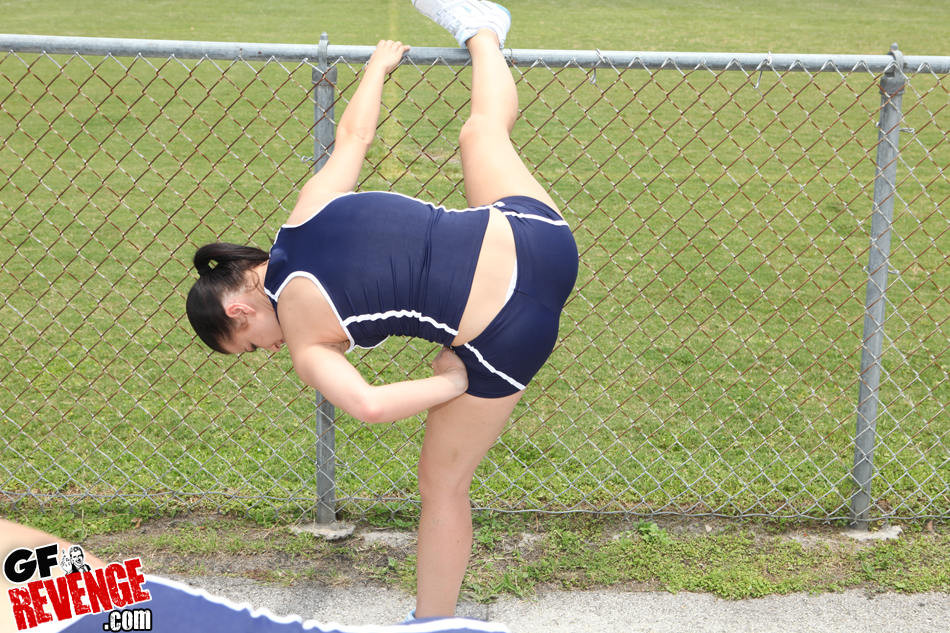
(205, 311)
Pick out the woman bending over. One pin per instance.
(348, 269)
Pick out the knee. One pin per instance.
(479, 127)
(441, 484)
(470, 129)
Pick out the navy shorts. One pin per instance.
(504, 358)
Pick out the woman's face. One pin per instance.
(259, 330)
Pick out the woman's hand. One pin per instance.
(387, 55)
(449, 365)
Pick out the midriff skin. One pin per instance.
(496, 265)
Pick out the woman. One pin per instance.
(349, 269)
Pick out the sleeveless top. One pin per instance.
(388, 264)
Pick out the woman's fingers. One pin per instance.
(389, 53)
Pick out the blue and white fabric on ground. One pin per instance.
(178, 608)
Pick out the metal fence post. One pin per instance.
(885, 190)
(324, 82)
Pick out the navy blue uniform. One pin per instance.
(389, 264)
(175, 607)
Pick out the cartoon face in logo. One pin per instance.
(74, 561)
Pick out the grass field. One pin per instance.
(811, 26)
(711, 352)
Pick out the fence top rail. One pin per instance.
(121, 47)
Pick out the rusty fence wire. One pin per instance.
(716, 356)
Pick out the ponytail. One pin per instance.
(222, 269)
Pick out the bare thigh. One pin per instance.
(458, 435)
(491, 167)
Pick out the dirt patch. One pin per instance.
(207, 544)
(388, 538)
(216, 545)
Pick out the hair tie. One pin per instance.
(205, 268)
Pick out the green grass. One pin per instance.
(734, 563)
(710, 354)
(693, 25)
(518, 555)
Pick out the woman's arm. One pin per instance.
(317, 350)
(325, 368)
(354, 133)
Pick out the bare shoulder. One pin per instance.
(309, 204)
(331, 181)
(306, 315)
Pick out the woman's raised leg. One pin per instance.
(491, 167)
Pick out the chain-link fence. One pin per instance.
(726, 212)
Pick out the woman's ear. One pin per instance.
(239, 311)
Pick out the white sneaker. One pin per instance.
(464, 18)
(499, 20)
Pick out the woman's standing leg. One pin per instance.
(458, 435)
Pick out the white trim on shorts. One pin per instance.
(532, 216)
(481, 359)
